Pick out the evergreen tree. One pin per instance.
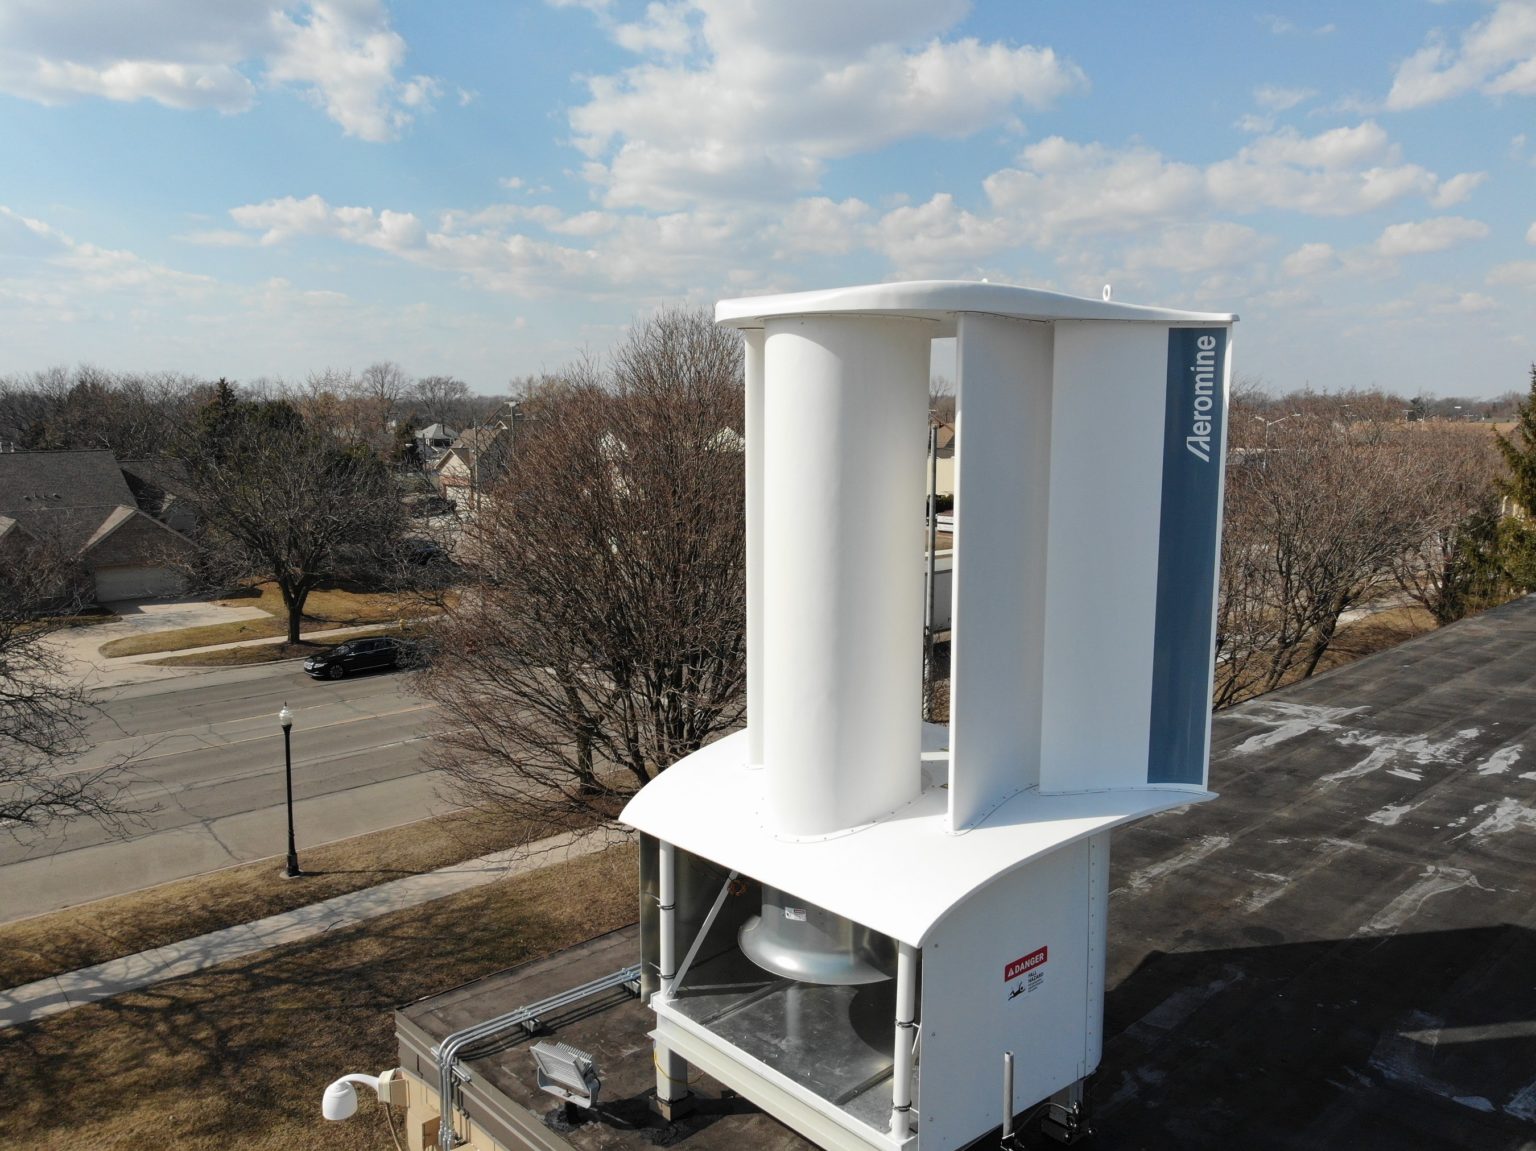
(1517, 538)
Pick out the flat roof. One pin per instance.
(942, 300)
(1339, 952)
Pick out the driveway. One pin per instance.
(81, 645)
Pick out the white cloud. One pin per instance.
(1066, 186)
(215, 86)
(1063, 186)
(823, 227)
(1339, 172)
(1456, 189)
(939, 238)
(191, 54)
(345, 55)
(583, 224)
(1515, 274)
(220, 238)
(772, 92)
(1530, 234)
(1192, 249)
(282, 219)
(1417, 237)
(1309, 260)
(33, 252)
(1496, 55)
(665, 31)
(1280, 99)
(1280, 26)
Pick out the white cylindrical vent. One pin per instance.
(753, 365)
(845, 412)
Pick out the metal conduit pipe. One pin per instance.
(1007, 1099)
(447, 1052)
(905, 1041)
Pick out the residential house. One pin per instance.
(433, 441)
(84, 503)
(477, 459)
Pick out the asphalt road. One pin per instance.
(206, 754)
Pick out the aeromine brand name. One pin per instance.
(1198, 442)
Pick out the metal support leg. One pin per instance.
(672, 1096)
(673, 1099)
(905, 1041)
(1066, 1120)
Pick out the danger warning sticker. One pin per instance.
(1024, 963)
(1026, 973)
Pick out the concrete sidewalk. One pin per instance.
(80, 646)
(89, 984)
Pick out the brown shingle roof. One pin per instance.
(62, 497)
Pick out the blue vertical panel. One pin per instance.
(1186, 555)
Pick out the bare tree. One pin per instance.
(441, 399)
(328, 402)
(1333, 503)
(1453, 568)
(42, 710)
(130, 415)
(381, 386)
(602, 635)
(279, 498)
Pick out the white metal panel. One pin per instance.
(942, 300)
(1106, 471)
(1035, 919)
(1002, 490)
(845, 404)
(901, 875)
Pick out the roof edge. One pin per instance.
(942, 299)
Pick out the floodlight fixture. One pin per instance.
(566, 1073)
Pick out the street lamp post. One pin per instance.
(285, 717)
(1270, 424)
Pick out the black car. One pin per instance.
(357, 655)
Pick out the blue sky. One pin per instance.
(484, 189)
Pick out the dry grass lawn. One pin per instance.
(76, 937)
(326, 608)
(274, 652)
(1376, 633)
(256, 653)
(237, 1057)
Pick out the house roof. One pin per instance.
(156, 484)
(473, 442)
(37, 481)
(78, 499)
(62, 497)
(486, 448)
(120, 516)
